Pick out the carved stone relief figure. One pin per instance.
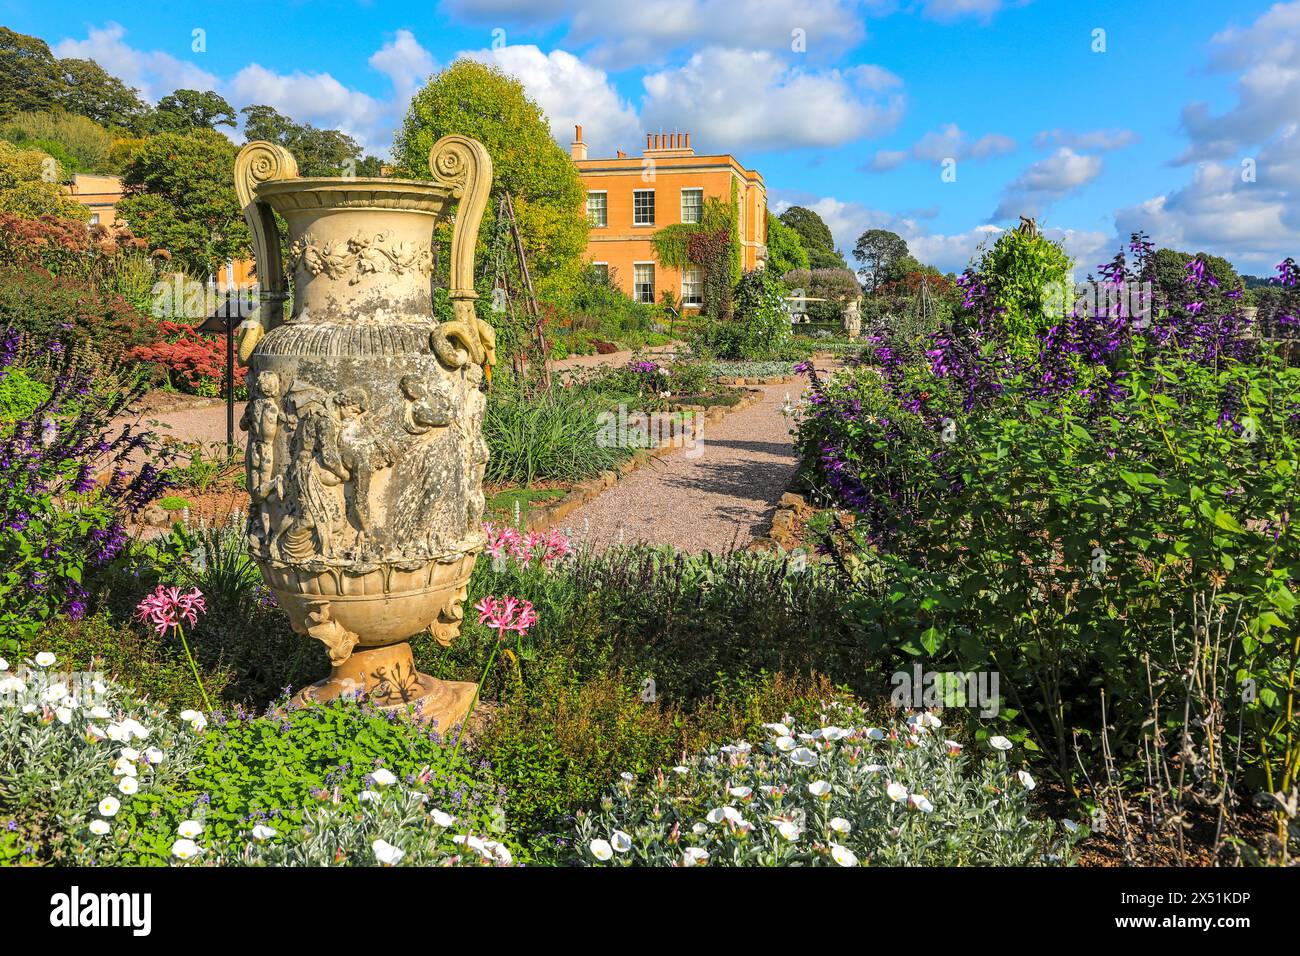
(262, 419)
(312, 451)
(425, 408)
(362, 451)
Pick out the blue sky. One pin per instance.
(1181, 119)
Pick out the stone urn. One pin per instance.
(365, 452)
(852, 318)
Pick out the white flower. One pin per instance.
(64, 714)
(124, 768)
(154, 756)
(788, 829)
(875, 733)
(843, 855)
(109, 806)
(54, 692)
(189, 829)
(30, 708)
(781, 730)
(44, 659)
(741, 792)
(784, 744)
(4, 664)
(626, 777)
(819, 788)
(920, 803)
(383, 777)
(443, 820)
(129, 786)
(195, 719)
(803, 757)
(699, 829)
(99, 827)
(12, 685)
(1000, 743)
(621, 841)
(118, 734)
(367, 796)
(100, 712)
(831, 733)
(924, 720)
(840, 825)
(680, 769)
(263, 832)
(896, 792)
(601, 849)
(498, 850)
(134, 728)
(695, 856)
(473, 842)
(1025, 779)
(130, 753)
(185, 849)
(386, 853)
(95, 731)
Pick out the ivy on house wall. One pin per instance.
(713, 244)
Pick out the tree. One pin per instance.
(181, 197)
(816, 238)
(79, 144)
(877, 250)
(87, 89)
(29, 186)
(320, 152)
(29, 76)
(490, 106)
(1168, 271)
(785, 249)
(186, 110)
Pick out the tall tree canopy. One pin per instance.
(186, 110)
(182, 198)
(87, 89)
(785, 249)
(878, 250)
(492, 107)
(816, 238)
(320, 152)
(29, 73)
(29, 186)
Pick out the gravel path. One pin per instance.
(717, 500)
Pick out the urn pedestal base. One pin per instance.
(388, 678)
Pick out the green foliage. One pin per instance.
(785, 249)
(28, 73)
(836, 286)
(188, 111)
(29, 185)
(20, 395)
(713, 244)
(319, 152)
(816, 238)
(879, 250)
(80, 145)
(761, 329)
(182, 198)
(88, 90)
(480, 101)
(827, 802)
(1022, 270)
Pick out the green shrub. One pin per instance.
(20, 394)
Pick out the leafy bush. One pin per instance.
(843, 794)
(46, 306)
(20, 395)
(836, 286)
(760, 330)
(193, 362)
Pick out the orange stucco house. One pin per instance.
(629, 198)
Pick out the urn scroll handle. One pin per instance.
(257, 163)
(463, 165)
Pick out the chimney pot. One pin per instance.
(578, 127)
(648, 138)
(688, 140)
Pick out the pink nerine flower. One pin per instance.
(166, 607)
(547, 547)
(506, 614)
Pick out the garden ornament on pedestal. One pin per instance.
(365, 453)
(852, 319)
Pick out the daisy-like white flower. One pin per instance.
(443, 820)
(385, 853)
(154, 756)
(843, 855)
(918, 802)
(840, 825)
(99, 827)
(54, 692)
(601, 849)
(741, 792)
(695, 856)
(803, 757)
(620, 841)
(130, 786)
(819, 788)
(185, 849)
(788, 829)
(109, 806)
(1000, 743)
(1025, 779)
(369, 796)
(189, 829)
(383, 777)
(263, 832)
(896, 792)
(44, 659)
(784, 744)
(781, 730)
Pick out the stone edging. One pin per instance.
(755, 380)
(778, 536)
(546, 516)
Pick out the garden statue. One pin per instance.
(852, 319)
(365, 454)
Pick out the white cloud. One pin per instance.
(1097, 140)
(152, 72)
(648, 31)
(570, 92)
(956, 9)
(316, 98)
(949, 141)
(1046, 181)
(733, 99)
(1266, 55)
(406, 64)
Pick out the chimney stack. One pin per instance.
(578, 149)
